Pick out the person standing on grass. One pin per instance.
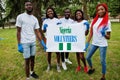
(100, 31)
(66, 20)
(27, 30)
(51, 18)
(79, 18)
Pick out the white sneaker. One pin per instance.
(64, 65)
(68, 61)
(58, 68)
(27, 78)
(48, 68)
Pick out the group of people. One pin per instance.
(28, 30)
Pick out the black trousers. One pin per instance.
(66, 56)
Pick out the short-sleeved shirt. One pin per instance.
(82, 22)
(48, 21)
(27, 23)
(98, 39)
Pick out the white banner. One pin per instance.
(65, 38)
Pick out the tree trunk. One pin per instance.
(85, 9)
(37, 12)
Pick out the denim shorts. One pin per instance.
(29, 49)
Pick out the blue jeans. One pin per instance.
(29, 49)
(92, 50)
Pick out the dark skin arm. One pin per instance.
(18, 34)
(86, 32)
(38, 34)
(90, 35)
(107, 36)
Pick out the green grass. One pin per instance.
(12, 62)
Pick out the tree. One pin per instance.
(1, 15)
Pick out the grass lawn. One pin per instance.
(12, 62)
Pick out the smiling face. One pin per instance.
(50, 13)
(67, 13)
(101, 11)
(28, 7)
(79, 16)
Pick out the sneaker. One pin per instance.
(102, 79)
(48, 68)
(78, 68)
(58, 68)
(90, 71)
(85, 69)
(64, 65)
(27, 78)
(34, 75)
(68, 61)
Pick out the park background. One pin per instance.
(12, 62)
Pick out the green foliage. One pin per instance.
(114, 8)
(12, 62)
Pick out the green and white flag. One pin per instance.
(64, 46)
(65, 38)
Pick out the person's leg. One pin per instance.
(32, 55)
(26, 54)
(66, 58)
(63, 61)
(78, 58)
(84, 61)
(62, 57)
(27, 68)
(58, 57)
(91, 51)
(49, 61)
(32, 59)
(78, 61)
(66, 55)
(58, 61)
(49, 58)
(83, 58)
(103, 60)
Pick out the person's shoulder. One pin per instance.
(71, 20)
(46, 20)
(55, 19)
(20, 15)
(85, 21)
(34, 17)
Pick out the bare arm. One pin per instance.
(90, 35)
(18, 34)
(86, 32)
(38, 34)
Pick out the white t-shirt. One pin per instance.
(98, 39)
(63, 20)
(48, 21)
(28, 24)
(82, 22)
